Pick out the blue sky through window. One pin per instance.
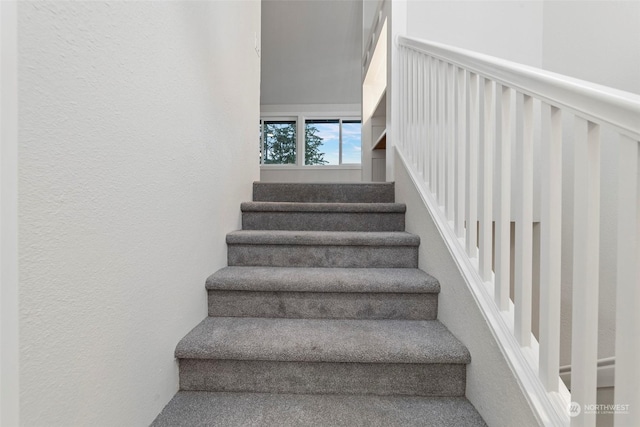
(351, 141)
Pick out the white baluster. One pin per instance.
(503, 215)
(414, 81)
(451, 141)
(421, 108)
(405, 101)
(442, 140)
(461, 134)
(627, 381)
(472, 169)
(417, 110)
(550, 245)
(412, 90)
(586, 246)
(428, 142)
(524, 222)
(433, 131)
(486, 201)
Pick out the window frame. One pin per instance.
(301, 120)
(283, 119)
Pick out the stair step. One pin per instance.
(383, 357)
(323, 216)
(402, 280)
(329, 293)
(382, 192)
(322, 340)
(284, 248)
(200, 409)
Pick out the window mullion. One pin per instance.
(300, 141)
(340, 142)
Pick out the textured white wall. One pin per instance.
(9, 325)
(135, 150)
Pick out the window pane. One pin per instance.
(279, 142)
(322, 142)
(351, 141)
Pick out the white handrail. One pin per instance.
(597, 103)
(456, 122)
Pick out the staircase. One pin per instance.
(322, 318)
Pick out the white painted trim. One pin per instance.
(346, 166)
(549, 408)
(594, 102)
(398, 11)
(606, 373)
(9, 290)
(324, 110)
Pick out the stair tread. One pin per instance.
(370, 192)
(323, 207)
(199, 408)
(338, 238)
(300, 279)
(322, 340)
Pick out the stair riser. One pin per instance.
(306, 221)
(323, 256)
(323, 305)
(321, 378)
(323, 193)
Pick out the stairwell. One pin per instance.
(321, 318)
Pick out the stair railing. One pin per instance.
(463, 117)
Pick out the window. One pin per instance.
(332, 142)
(323, 141)
(351, 141)
(278, 142)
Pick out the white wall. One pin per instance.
(601, 44)
(596, 40)
(507, 29)
(346, 173)
(9, 327)
(311, 52)
(134, 154)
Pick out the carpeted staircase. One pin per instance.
(322, 318)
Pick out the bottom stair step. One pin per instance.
(192, 408)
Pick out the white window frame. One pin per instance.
(301, 120)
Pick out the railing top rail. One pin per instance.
(597, 103)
